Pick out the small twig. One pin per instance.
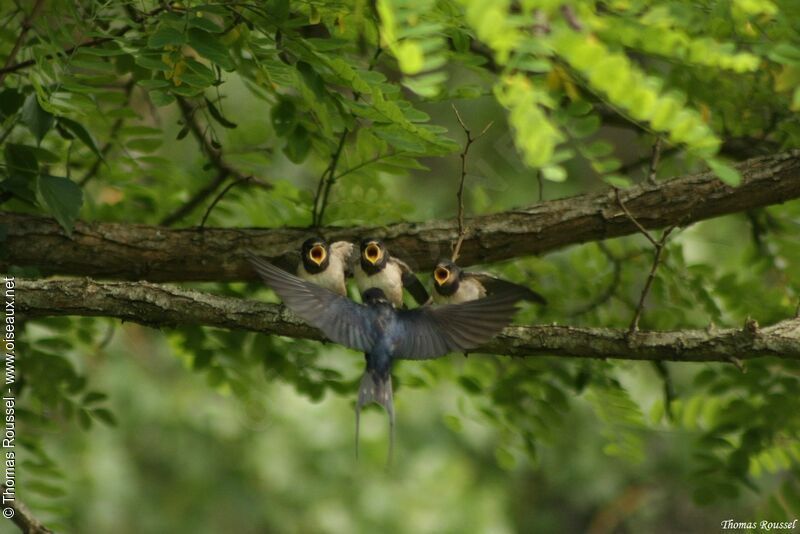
(654, 159)
(646, 160)
(23, 517)
(641, 228)
(460, 193)
(68, 51)
(669, 387)
(326, 181)
(659, 248)
(610, 290)
(222, 194)
(112, 135)
(215, 157)
(329, 177)
(197, 199)
(571, 17)
(541, 185)
(27, 24)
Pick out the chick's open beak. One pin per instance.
(372, 253)
(441, 275)
(317, 254)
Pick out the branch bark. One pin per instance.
(133, 252)
(24, 518)
(165, 306)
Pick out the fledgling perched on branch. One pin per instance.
(386, 334)
(325, 265)
(452, 285)
(377, 268)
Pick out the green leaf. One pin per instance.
(209, 47)
(81, 133)
(61, 197)
(215, 113)
(105, 415)
(21, 160)
(166, 36)
(35, 118)
(10, 102)
(725, 172)
(283, 116)
(205, 24)
(298, 144)
(94, 396)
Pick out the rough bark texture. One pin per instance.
(165, 306)
(24, 518)
(134, 252)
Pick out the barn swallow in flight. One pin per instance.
(377, 268)
(385, 333)
(453, 285)
(325, 265)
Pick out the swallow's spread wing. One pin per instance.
(495, 285)
(411, 282)
(340, 319)
(430, 332)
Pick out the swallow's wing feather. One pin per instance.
(495, 285)
(430, 332)
(340, 319)
(411, 283)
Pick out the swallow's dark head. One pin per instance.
(446, 277)
(374, 255)
(374, 295)
(315, 252)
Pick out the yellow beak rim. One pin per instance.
(317, 254)
(441, 275)
(372, 253)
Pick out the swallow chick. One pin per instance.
(377, 268)
(453, 285)
(325, 265)
(385, 334)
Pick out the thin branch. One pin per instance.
(23, 517)
(167, 306)
(460, 193)
(610, 290)
(68, 51)
(219, 197)
(26, 26)
(645, 160)
(112, 135)
(658, 246)
(325, 183)
(136, 251)
(571, 17)
(654, 159)
(329, 177)
(215, 158)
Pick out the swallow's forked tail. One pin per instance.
(375, 389)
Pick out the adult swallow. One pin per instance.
(385, 333)
(378, 268)
(325, 265)
(453, 285)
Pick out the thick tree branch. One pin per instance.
(128, 251)
(166, 306)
